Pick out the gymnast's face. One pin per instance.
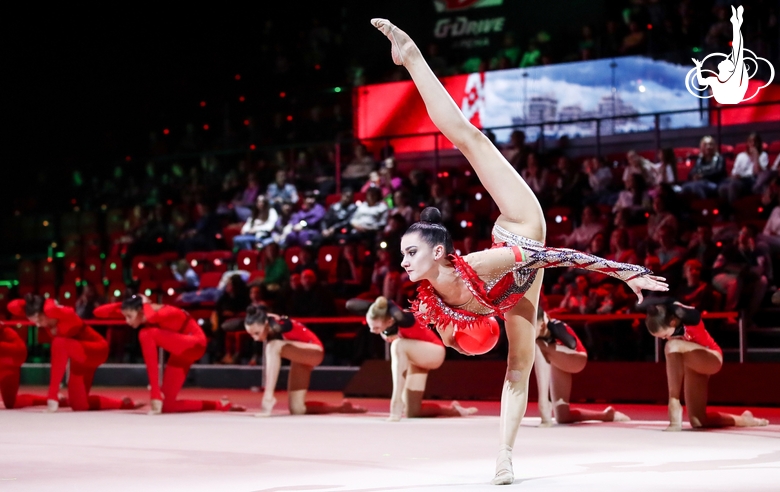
(42, 321)
(378, 325)
(419, 258)
(258, 331)
(134, 317)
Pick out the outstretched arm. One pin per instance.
(109, 311)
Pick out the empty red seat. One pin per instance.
(67, 295)
(93, 270)
(46, 272)
(210, 279)
(686, 152)
(115, 291)
(247, 260)
(112, 268)
(219, 260)
(292, 256)
(229, 232)
(150, 288)
(161, 269)
(171, 290)
(47, 291)
(27, 272)
(142, 267)
(198, 261)
(256, 276)
(327, 259)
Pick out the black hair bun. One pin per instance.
(431, 215)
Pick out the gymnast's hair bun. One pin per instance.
(431, 215)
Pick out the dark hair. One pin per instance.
(758, 141)
(255, 314)
(658, 318)
(133, 303)
(33, 304)
(431, 230)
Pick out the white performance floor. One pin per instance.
(131, 451)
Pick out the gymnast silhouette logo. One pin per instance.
(730, 84)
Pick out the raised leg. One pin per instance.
(521, 212)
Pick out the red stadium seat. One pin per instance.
(332, 198)
(161, 269)
(198, 261)
(171, 290)
(727, 149)
(142, 267)
(247, 259)
(115, 221)
(112, 269)
(115, 291)
(229, 232)
(48, 291)
(93, 270)
(46, 272)
(292, 256)
(686, 152)
(150, 288)
(67, 295)
(774, 147)
(256, 276)
(219, 260)
(327, 259)
(210, 279)
(27, 272)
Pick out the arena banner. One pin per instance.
(554, 93)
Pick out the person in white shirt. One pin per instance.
(748, 166)
(371, 215)
(770, 236)
(258, 227)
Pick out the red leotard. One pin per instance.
(419, 332)
(699, 335)
(580, 348)
(300, 333)
(86, 349)
(177, 333)
(13, 353)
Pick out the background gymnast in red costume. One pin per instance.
(177, 333)
(692, 356)
(13, 353)
(559, 355)
(74, 340)
(291, 340)
(458, 295)
(415, 350)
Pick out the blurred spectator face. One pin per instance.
(396, 223)
(255, 294)
(261, 202)
(707, 147)
(582, 284)
(309, 202)
(517, 138)
(399, 199)
(360, 151)
(308, 279)
(252, 181)
(633, 159)
(436, 191)
(532, 163)
(588, 216)
(619, 240)
(287, 209)
(373, 176)
(631, 182)
(692, 272)
(271, 251)
(745, 237)
(666, 237)
(281, 177)
(658, 204)
(751, 142)
(563, 164)
(598, 243)
(295, 281)
(347, 197)
(373, 195)
(704, 232)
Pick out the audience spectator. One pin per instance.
(660, 217)
(88, 301)
(536, 177)
(708, 172)
(202, 234)
(359, 168)
(748, 166)
(243, 205)
(258, 228)
(516, 151)
(599, 179)
(370, 216)
(639, 165)
(439, 199)
(402, 206)
(280, 191)
(570, 186)
(666, 168)
(620, 249)
(695, 291)
(635, 199)
(703, 249)
(232, 302)
(305, 223)
(375, 180)
(335, 224)
(771, 233)
(183, 272)
(311, 299)
(590, 225)
(276, 273)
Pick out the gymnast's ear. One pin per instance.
(439, 252)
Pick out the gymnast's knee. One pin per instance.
(273, 346)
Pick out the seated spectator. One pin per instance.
(695, 291)
(440, 199)
(307, 260)
(183, 272)
(275, 269)
(88, 301)
(258, 228)
(305, 230)
(620, 249)
(639, 165)
(570, 186)
(771, 233)
(202, 234)
(246, 200)
(661, 217)
(280, 191)
(536, 177)
(599, 179)
(708, 172)
(402, 206)
(635, 199)
(311, 300)
(577, 299)
(590, 225)
(335, 224)
(211, 294)
(703, 249)
(370, 216)
(419, 187)
(375, 180)
(284, 224)
(238, 341)
(748, 167)
(232, 302)
(350, 272)
(666, 167)
(387, 174)
(741, 274)
(359, 168)
(670, 254)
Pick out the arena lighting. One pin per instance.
(247, 261)
(206, 127)
(238, 76)
(715, 212)
(194, 263)
(128, 158)
(328, 257)
(112, 266)
(53, 245)
(166, 131)
(148, 292)
(45, 223)
(217, 261)
(383, 245)
(282, 95)
(558, 219)
(67, 295)
(102, 256)
(649, 27)
(252, 147)
(294, 259)
(246, 122)
(170, 291)
(200, 321)
(642, 88)
(317, 66)
(92, 268)
(241, 99)
(117, 293)
(289, 117)
(696, 50)
(59, 255)
(478, 196)
(337, 89)
(463, 224)
(203, 104)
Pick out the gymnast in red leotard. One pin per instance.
(291, 340)
(74, 340)
(692, 356)
(173, 330)
(13, 353)
(415, 350)
(458, 295)
(559, 354)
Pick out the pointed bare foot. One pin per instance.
(463, 411)
(504, 473)
(266, 407)
(752, 421)
(52, 406)
(394, 418)
(403, 48)
(156, 407)
(615, 416)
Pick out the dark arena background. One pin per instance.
(229, 161)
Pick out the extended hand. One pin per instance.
(647, 282)
(696, 62)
